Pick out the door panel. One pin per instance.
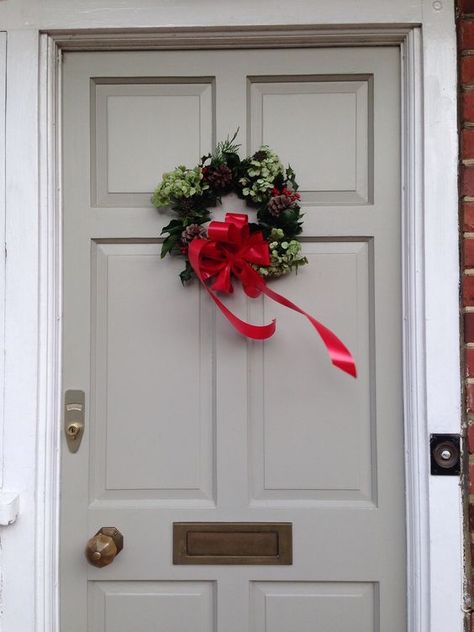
(298, 453)
(129, 368)
(131, 126)
(320, 113)
(185, 420)
(328, 607)
(145, 606)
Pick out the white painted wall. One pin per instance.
(28, 413)
(21, 326)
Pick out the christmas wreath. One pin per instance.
(261, 180)
(216, 252)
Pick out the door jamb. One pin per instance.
(415, 287)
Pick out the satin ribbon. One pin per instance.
(230, 250)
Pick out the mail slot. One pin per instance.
(232, 543)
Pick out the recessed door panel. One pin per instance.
(332, 607)
(140, 130)
(149, 442)
(299, 425)
(331, 118)
(146, 606)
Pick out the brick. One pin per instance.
(468, 290)
(469, 367)
(466, 35)
(469, 327)
(467, 143)
(467, 181)
(471, 478)
(468, 253)
(467, 106)
(465, 6)
(471, 519)
(470, 439)
(468, 216)
(470, 445)
(467, 69)
(470, 398)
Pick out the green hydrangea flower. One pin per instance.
(178, 184)
(285, 256)
(264, 167)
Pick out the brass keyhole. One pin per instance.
(74, 407)
(74, 429)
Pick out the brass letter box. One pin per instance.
(232, 543)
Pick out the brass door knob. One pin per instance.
(102, 549)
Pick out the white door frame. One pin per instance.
(430, 291)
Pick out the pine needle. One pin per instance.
(227, 146)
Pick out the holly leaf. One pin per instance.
(175, 226)
(168, 244)
(232, 160)
(290, 215)
(187, 274)
(279, 181)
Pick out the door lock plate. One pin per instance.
(445, 450)
(74, 405)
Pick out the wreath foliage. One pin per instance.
(261, 180)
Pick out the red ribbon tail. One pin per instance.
(339, 354)
(256, 332)
(253, 284)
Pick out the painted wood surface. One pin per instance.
(186, 421)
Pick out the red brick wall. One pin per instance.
(465, 31)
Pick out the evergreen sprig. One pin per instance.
(226, 147)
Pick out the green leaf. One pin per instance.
(227, 146)
(174, 226)
(279, 181)
(233, 161)
(289, 215)
(187, 274)
(168, 245)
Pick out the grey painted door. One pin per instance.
(186, 421)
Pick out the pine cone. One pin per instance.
(219, 177)
(278, 203)
(191, 232)
(185, 205)
(260, 155)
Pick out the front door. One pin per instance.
(187, 422)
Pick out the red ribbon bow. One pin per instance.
(229, 250)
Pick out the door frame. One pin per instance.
(430, 273)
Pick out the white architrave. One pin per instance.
(3, 104)
(441, 279)
(33, 285)
(49, 377)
